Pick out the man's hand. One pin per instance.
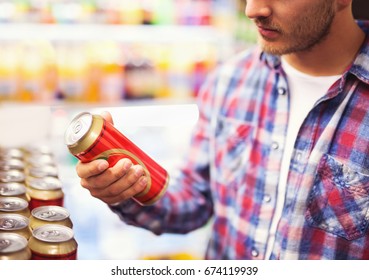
(115, 184)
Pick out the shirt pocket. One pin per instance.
(339, 202)
(231, 149)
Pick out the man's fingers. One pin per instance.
(93, 168)
(135, 189)
(109, 176)
(107, 185)
(107, 116)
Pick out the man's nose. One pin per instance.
(258, 8)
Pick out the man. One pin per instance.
(279, 158)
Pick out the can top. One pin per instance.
(50, 213)
(11, 153)
(38, 149)
(43, 171)
(82, 132)
(12, 189)
(13, 222)
(53, 233)
(40, 160)
(45, 183)
(78, 128)
(12, 242)
(12, 163)
(12, 176)
(11, 204)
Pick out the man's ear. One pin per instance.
(343, 3)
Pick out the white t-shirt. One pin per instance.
(304, 92)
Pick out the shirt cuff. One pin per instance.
(124, 206)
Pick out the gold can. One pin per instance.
(13, 175)
(14, 190)
(15, 223)
(14, 205)
(53, 242)
(49, 215)
(44, 191)
(14, 247)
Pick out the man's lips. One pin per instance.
(268, 33)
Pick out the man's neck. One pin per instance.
(335, 53)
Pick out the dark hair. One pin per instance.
(360, 9)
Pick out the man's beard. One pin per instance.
(310, 30)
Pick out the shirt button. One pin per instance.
(298, 156)
(267, 198)
(275, 145)
(254, 253)
(281, 91)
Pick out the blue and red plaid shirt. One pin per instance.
(232, 168)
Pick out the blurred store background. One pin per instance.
(142, 60)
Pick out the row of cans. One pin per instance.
(33, 222)
(31, 175)
(46, 235)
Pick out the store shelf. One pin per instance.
(122, 33)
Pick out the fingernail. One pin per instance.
(103, 165)
(127, 164)
(138, 170)
(143, 181)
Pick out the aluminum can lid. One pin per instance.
(12, 176)
(11, 153)
(46, 183)
(12, 242)
(44, 171)
(13, 163)
(13, 222)
(50, 213)
(10, 204)
(78, 128)
(53, 233)
(12, 189)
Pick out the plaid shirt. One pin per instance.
(232, 169)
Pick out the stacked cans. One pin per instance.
(33, 222)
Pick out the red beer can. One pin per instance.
(53, 242)
(91, 137)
